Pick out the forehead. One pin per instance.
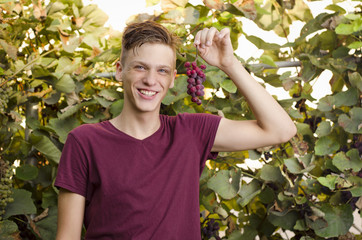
(151, 53)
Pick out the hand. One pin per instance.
(215, 47)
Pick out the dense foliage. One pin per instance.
(51, 53)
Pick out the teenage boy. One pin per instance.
(137, 176)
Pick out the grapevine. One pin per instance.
(196, 77)
(6, 185)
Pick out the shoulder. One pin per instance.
(189, 119)
(87, 130)
(203, 117)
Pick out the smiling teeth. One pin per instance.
(147, 93)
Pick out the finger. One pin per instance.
(203, 37)
(210, 36)
(197, 38)
(224, 34)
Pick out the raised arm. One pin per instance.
(70, 215)
(272, 125)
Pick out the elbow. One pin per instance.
(288, 133)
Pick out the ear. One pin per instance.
(119, 71)
(172, 84)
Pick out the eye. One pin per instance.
(140, 67)
(163, 70)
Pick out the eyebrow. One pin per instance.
(144, 63)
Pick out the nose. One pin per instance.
(150, 78)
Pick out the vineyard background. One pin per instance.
(52, 54)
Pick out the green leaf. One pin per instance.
(215, 77)
(9, 49)
(328, 181)
(94, 16)
(228, 85)
(221, 185)
(49, 198)
(325, 145)
(109, 94)
(56, 7)
(23, 204)
(26, 172)
(271, 174)
(328, 40)
(300, 11)
(45, 146)
(351, 124)
(254, 155)
(249, 233)
(273, 79)
(261, 44)
(116, 107)
(350, 160)
(336, 8)
(356, 181)
(286, 221)
(63, 126)
(9, 230)
(355, 79)
(352, 16)
(293, 165)
(355, 45)
(347, 98)
(304, 129)
(65, 65)
(300, 225)
(53, 98)
(236, 235)
(65, 84)
(105, 103)
(309, 71)
(266, 59)
(323, 129)
(313, 25)
(248, 191)
(339, 220)
(344, 29)
(48, 226)
(177, 92)
(191, 15)
(71, 44)
(70, 110)
(326, 103)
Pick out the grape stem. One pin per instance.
(197, 53)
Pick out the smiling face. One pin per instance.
(147, 73)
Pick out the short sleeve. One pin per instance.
(204, 127)
(73, 168)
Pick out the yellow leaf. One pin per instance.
(247, 7)
(214, 4)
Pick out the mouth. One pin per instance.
(147, 93)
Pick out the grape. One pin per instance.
(195, 81)
(4, 98)
(6, 185)
(211, 229)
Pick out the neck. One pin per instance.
(140, 125)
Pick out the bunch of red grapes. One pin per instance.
(196, 77)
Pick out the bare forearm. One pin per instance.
(270, 116)
(70, 215)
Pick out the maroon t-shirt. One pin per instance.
(139, 189)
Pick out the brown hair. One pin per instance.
(137, 34)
